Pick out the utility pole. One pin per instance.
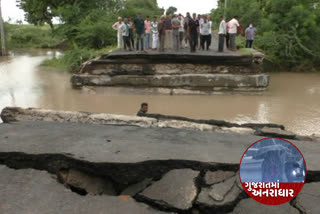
(3, 38)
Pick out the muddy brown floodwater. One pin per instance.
(293, 99)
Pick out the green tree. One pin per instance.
(39, 12)
(287, 29)
(3, 38)
(171, 10)
(146, 7)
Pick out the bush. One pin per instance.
(72, 59)
(29, 36)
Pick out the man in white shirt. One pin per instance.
(125, 32)
(181, 29)
(233, 29)
(175, 32)
(116, 26)
(222, 33)
(205, 34)
(200, 21)
(155, 33)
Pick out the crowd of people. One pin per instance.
(177, 32)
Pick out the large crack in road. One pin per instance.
(129, 165)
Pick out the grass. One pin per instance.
(55, 63)
(246, 50)
(72, 59)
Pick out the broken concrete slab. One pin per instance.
(183, 56)
(178, 124)
(307, 199)
(245, 131)
(89, 142)
(205, 82)
(201, 71)
(217, 176)
(134, 189)
(13, 114)
(122, 67)
(238, 182)
(219, 191)
(108, 144)
(91, 184)
(251, 206)
(177, 189)
(36, 192)
(19, 114)
(205, 198)
(275, 132)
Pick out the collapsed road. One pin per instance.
(180, 72)
(77, 162)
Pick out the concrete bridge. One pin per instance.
(205, 71)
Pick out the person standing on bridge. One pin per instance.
(185, 26)
(233, 30)
(250, 33)
(116, 26)
(222, 33)
(210, 30)
(168, 25)
(181, 29)
(227, 36)
(205, 34)
(125, 30)
(139, 25)
(162, 33)
(147, 27)
(193, 26)
(175, 32)
(200, 21)
(155, 33)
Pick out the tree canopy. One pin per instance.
(288, 29)
(171, 10)
(86, 24)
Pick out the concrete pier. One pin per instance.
(203, 71)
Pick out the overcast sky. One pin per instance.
(184, 6)
(9, 8)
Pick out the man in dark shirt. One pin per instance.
(193, 25)
(139, 25)
(144, 110)
(162, 33)
(168, 25)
